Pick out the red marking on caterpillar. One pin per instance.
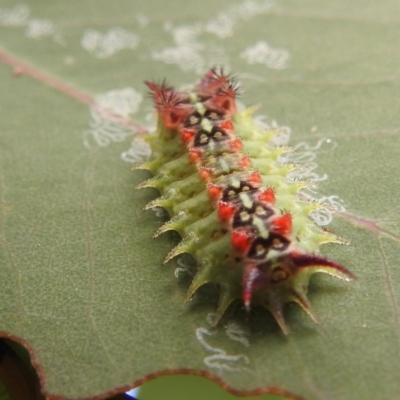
(247, 246)
(225, 211)
(268, 196)
(282, 225)
(241, 240)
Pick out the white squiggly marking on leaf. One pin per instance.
(103, 130)
(160, 212)
(224, 23)
(37, 28)
(139, 152)
(263, 53)
(283, 133)
(142, 20)
(184, 267)
(236, 333)
(305, 155)
(104, 45)
(16, 16)
(220, 360)
(190, 53)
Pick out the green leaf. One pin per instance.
(82, 283)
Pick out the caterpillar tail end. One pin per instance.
(276, 282)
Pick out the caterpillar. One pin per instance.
(229, 199)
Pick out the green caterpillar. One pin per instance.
(224, 189)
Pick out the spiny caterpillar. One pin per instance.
(230, 201)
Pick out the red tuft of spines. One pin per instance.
(282, 224)
(245, 161)
(171, 105)
(236, 145)
(255, 177)
(220, 90)
(223, 101)
(225, 211)
(241, 240)
(212, 82)
(158, 90)
(267, 196)
(226, 125)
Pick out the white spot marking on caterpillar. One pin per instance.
(263, 53)
(16, 16)
(104, 131)
(104, 45)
